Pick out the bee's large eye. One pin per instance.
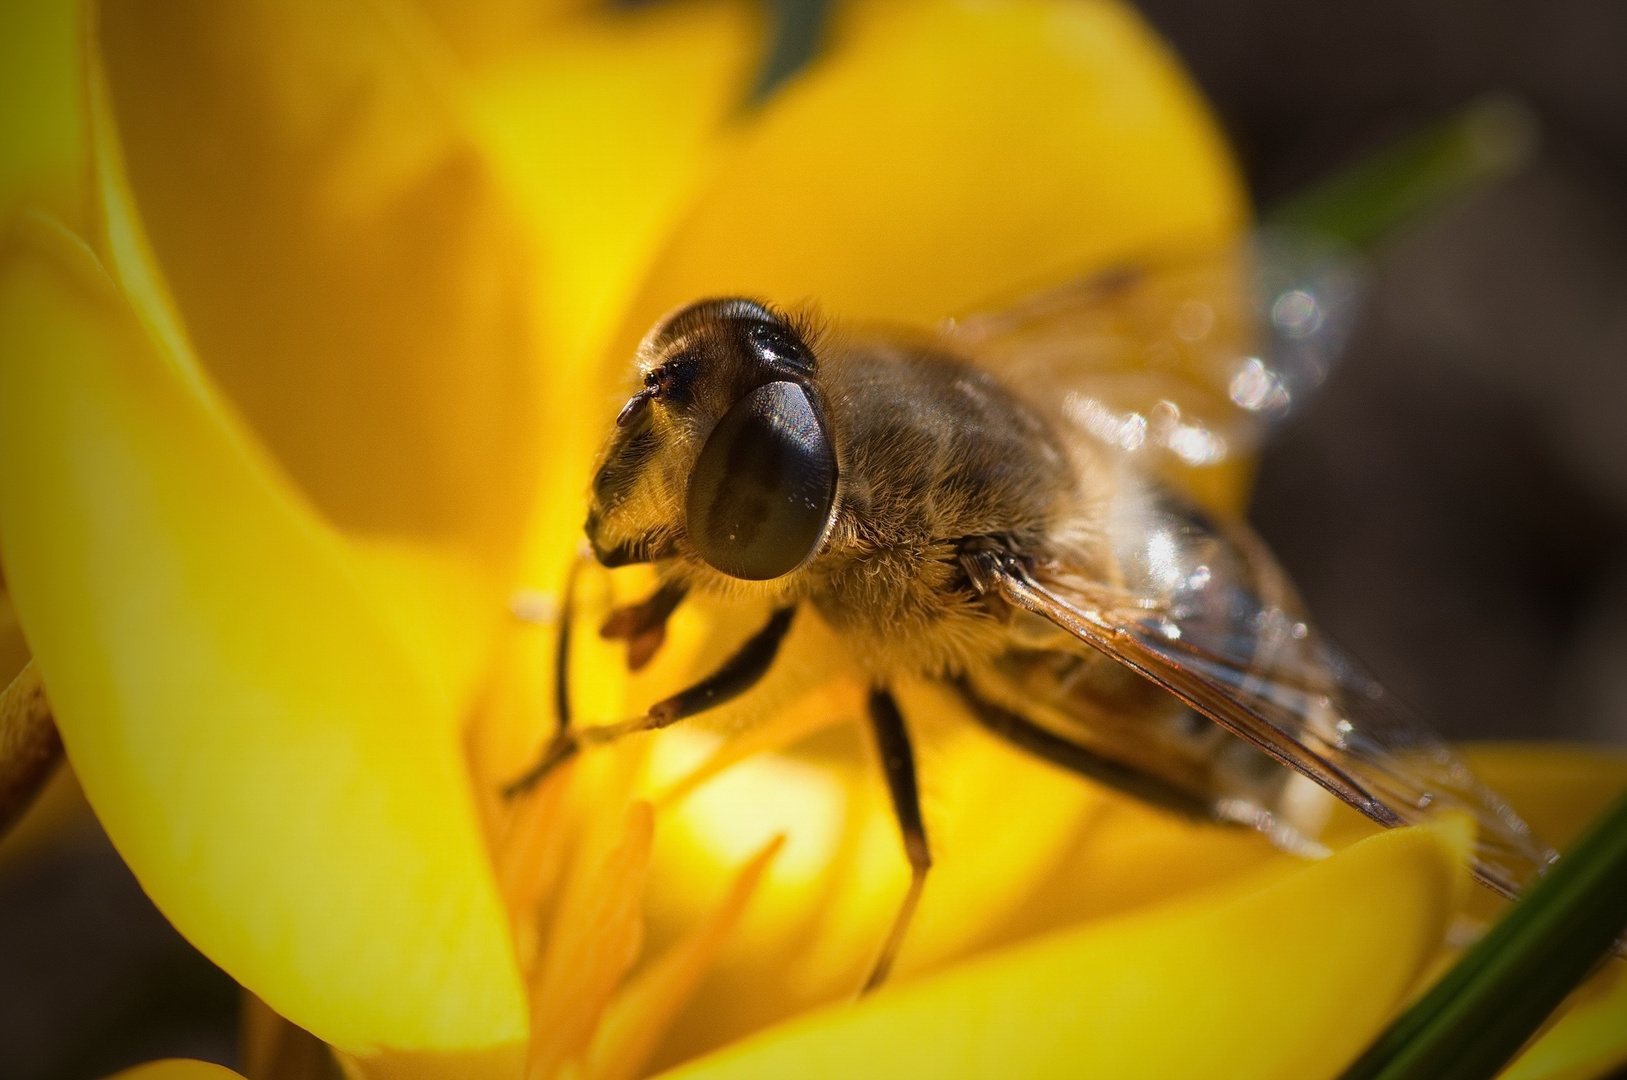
(764, 485)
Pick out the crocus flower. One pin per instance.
(311, 315)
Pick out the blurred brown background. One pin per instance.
(1453, 504)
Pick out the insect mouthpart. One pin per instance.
(635, 404)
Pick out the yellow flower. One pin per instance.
(310, 317)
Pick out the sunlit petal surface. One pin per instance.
(1257, 982)
(176, 1069)
(1020, 848)
(339, 255)
(483, 32)
(444, 594)
(599, 131)
(949, 154)
(1559, 790)
(249, 727)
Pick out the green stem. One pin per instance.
(1473, 1022)
(1368, 201)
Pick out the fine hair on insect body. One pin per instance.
(983, 508)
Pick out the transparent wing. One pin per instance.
(1185, 355)
(1207, 615)
(1185, 359)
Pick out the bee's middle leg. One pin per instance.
(739, 673)
(1028, 735)
(898, 762)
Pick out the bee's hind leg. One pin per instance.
(1047, 745)
(644, 625)
(898, 762)
(739, 673)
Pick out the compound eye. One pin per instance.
(764, 485)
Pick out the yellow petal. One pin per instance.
(946, 154)
(1558, 789)
(1590, 1038)
(285, 783)
(599, 132)
(482, 32)
(442, 601)
(1286, 980)
(648, 1004)
(1020, 848)
(42, 128)
(177, 1069)
(339, 257)
(596, 936)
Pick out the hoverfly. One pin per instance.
(995, 507)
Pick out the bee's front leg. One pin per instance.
(563, 743)
(644, 625)
(898, 763)
(738, 674)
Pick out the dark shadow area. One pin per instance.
(1454, 502)
(94, 979)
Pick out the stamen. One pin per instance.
(646, 1007)
(837, 702)
(595, 937)
(531, 860)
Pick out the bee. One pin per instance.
(979, 507)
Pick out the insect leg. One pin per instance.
(1047, 745)
(738, 674)
(644, 625)
(898, 762)
(556, 751)
(562, 651)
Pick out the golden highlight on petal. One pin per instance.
(1285, 978)
(1020, 848)
(951, 154)
(1558, 789)
(483, 32)
(599, 131)
(251, 731)
(646, 1006)
(597, 933)
(1589, 1040)
(339, 256)
(177, 1069)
